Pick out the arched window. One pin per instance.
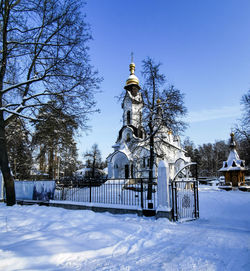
(128, 117)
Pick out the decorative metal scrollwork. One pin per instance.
(186, 202)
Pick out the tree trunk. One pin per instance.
(51, 162)
(151, 163)
(93, 168)
(4, 162)
(4, 165)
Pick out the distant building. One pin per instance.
(234, 168)
(130, 158)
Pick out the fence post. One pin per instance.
(196, 199)
(163, 204)
(195, 202)
(141, 193)
(196, 192)
(174, 201)
(90, 189)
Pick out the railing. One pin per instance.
(127, 192)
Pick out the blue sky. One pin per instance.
(204, 48)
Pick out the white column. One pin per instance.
(163, 203)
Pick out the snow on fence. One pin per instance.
(35, 190)
(125, 192)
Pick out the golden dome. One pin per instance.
(158, 101)
(132, 79)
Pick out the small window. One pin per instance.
(128, 117)
(225, 164)
(233, 164)
(128, 138)
(242, 164)
(144, 162)
(148, 162)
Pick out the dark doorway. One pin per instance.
(126, 171)
(128, 118)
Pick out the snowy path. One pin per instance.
(47, 238)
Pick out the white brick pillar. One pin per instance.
(163, 202)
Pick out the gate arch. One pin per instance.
(185, 199)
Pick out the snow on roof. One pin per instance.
(84, 170)
(124, 149)
(233, 162)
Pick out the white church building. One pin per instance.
(130, 158)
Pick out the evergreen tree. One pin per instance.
(209, 157)
(69, 159)
(54, 137)
(19, 149)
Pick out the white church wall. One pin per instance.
(133, 108)
(110, 170)
(126, 107)
(136, 109)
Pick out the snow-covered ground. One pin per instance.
(48, 238)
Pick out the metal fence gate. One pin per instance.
(185, 198)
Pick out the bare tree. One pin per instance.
(163, 107)
(243, 129)
(93, 159)
(44, 57)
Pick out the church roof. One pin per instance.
(233, 163)
(122, 149)
(132, 79)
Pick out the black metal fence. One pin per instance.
(126, 192)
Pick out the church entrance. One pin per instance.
(121, 166)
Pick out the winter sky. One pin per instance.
(204, 47)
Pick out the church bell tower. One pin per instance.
(132, 103)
